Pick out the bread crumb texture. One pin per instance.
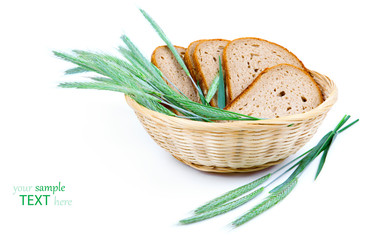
(246, 58)
(163, 59)
(279, 91)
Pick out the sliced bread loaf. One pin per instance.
(163, 59)
(278, 91)
(245, 58)
(206, 60)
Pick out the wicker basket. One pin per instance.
(238, 146)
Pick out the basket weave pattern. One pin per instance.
(238, 146)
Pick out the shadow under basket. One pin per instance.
(237, 146)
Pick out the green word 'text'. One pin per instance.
(34, 199)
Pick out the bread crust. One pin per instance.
(251, 86)
(204, 86)
(226, 64)
(153, 60)
(188, 57)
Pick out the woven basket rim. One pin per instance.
(323, 107)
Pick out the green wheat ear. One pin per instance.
(174, 51)
(231, 195)
(222, 208)
(269, 202)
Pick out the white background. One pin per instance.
(122, 185)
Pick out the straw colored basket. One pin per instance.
(238, 146)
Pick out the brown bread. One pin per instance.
(163, 59)
(278, 91)
(206, 60)
(189, 60)
(245, 58)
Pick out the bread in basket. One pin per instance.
(238, 146)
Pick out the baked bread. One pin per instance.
(245, 58)
(188, 58)
(163, 59)
(278, 91)
(206, 60)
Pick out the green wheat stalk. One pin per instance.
(224, 203)
(174, 51)
(232, 194)
(222, 208)
(269, 202)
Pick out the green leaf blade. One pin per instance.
(213, 89)
(221, 88)
(307, 160)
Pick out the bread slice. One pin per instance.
(188, 58)
(245, 58)
(278, 91)
(163, 59)
(206, 60)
